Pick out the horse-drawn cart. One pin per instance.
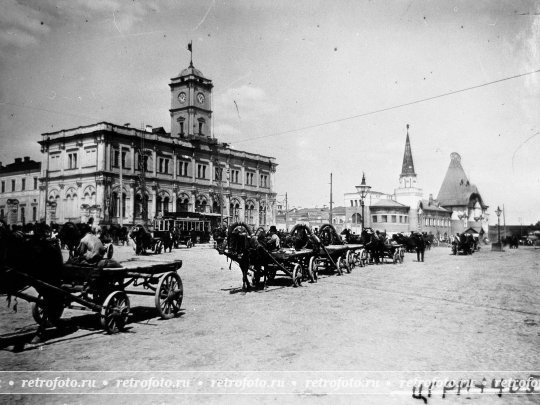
(105, 291)
(336, 254)
(250, 251)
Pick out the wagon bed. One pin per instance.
(130, 268)
(104, 290)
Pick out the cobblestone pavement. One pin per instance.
(453, 317)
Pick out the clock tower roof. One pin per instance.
(191, 70)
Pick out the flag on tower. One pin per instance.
(189, 48)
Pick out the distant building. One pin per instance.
(19, 191)
(115, 173)
(405, 210)
(315, 217)
(462, 199)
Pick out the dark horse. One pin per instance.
(142, 238)
(30, 261)
(70, 235)
(374, 245)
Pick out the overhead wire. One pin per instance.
(388, 108)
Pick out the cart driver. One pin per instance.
(272, 240)
(90, 248)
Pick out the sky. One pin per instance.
(302, 81)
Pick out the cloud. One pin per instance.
(23, 23)
(244, 103)
(20, 25)
(225, 130)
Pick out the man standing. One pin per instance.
(420, 246)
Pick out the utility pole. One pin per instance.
(286, 214)
(504, 221)
(46, 184)
(330, 217)
(121, 191)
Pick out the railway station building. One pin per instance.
(120, 174)
(457, 207)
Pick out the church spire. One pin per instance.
(407, 169)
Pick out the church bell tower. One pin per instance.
(191, 103)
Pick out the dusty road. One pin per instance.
(361, 338)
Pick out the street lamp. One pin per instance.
(498, 212)
(363, 189)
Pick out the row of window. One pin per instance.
(436, 221)
(22, 214)
(164, 166)
(14, 185)
(395, 219)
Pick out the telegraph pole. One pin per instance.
(121, 191)
(331, 202)
(286, 214)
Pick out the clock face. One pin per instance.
(182, 97)
(200, 97)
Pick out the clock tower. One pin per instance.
(191, 104)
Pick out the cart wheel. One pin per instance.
(364, 257)
(350, 259)
(314, 268)
(115, 312)
(169, 295)
(297, 275)
(110, 251)
(49, 314)
(339, 265)
(310, 271)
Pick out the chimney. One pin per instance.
(27, 158)
(431, 199)
(149, 128)
(18, 160)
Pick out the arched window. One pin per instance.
(262, 215)
(216, 207)
(165, 205)
(70, 204)
(141, 206)
(356, 218)
(250, 210)
(182, 203)
(114, 204)
(201, 204)
(235, 210)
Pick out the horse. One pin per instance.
(26, 259)
(70, 235)
(374, 245)
(167, 241)
(142, 238)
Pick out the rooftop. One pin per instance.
(456, 190)
(20, 165)
(387, 203)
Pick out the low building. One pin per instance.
(19, 191)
